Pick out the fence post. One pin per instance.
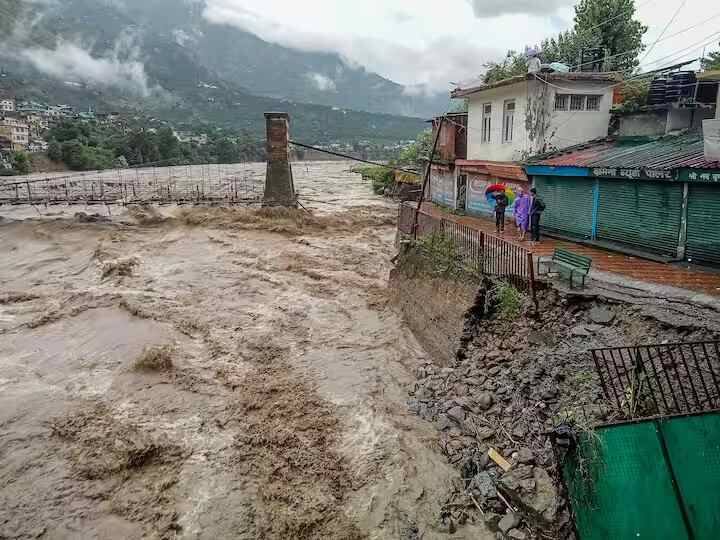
(482, 252)
(531, 277)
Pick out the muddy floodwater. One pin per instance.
(190, 372)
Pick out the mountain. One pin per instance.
(188, 69)
(274, 71)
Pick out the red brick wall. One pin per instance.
(277, 138)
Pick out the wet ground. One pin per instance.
(283, 414)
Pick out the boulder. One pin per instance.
(601, 315)
(537, 337)
(517, 534)
(579, 331)
(545, 500)
(508, 522)
(457, 413)
(483, 482)
(485, 400)
(444, 422)
(525, 456)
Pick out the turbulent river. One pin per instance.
(283, 413)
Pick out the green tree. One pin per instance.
(611, 24)
(72, 154)
(513, 64)
(606, 24)
(168, 144)
(55, 151)
(227, 151)
(21, 162)
(565, 48)
(711, 61)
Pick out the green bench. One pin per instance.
(567, 263)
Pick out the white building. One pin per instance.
(513, 119)
(19, 132)
(521, 116)
(7, 104)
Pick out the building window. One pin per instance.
(508, 121)
(593, 103)
(486, 123)
(561, 102)
(577, 103)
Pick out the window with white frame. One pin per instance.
(577, 103)
(508, 121)
(593, 103)
(486, 123)
(561, 102)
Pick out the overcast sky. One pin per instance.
(429, 43)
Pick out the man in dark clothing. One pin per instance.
(501, 204)
(537, 207)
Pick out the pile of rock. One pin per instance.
(512, 384)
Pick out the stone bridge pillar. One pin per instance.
(279, 185)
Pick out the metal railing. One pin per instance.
(662, 379)
(491, 255)
(227, 183)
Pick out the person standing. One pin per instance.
(522, 213)
(537, 207)
(501, 204)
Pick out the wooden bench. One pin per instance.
(565, 262)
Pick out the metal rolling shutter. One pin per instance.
(703, 234)
(642, 215)
(569, 205)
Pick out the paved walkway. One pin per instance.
(673, 275)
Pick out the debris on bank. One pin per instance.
(517, 376)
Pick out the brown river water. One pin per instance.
(284, 412)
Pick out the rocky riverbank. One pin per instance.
(515, 376)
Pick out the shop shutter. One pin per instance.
(641, 215)
(568, 205)
(703, 234)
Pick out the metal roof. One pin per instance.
(670, 152)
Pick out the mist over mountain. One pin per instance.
(165, 57)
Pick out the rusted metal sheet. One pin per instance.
(666, 153)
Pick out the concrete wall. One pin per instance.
(687, 118)
(643, 124)
(561, 129)
(571, 127)
(442, 186)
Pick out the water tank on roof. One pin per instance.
(656, 94)
(680, 86)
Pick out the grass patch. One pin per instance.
(509, 301)
(155, 359)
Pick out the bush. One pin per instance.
(21, 162)
(381, 177)
(79, 157)
(509, 301)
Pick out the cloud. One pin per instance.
(425, 67)
(70, 62)
(484, 9)
(323, 83)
